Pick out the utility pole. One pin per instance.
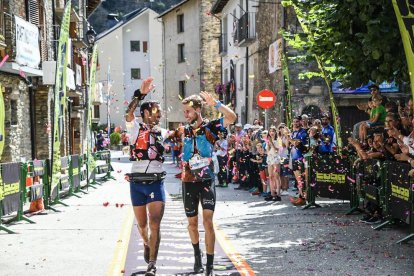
(108, 118)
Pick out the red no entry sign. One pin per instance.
(266, 99)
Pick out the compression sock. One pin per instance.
(210, 259)
(196, 247)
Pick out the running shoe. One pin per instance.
(264, 194)
(269, 198)
(146, 253)
(256, 193)
(276, 198)
(284, 193)
(198, 265)
(151, 270)
(252, 190)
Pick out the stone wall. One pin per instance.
(210, 73)
(305, 92)
(268, 22)
(17, 123)
(42, 123)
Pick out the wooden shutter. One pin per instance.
(33, 7)
(145, 46)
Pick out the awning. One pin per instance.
(14, 68)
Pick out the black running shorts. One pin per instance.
(196, 192)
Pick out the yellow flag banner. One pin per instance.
(59, 98)
(2, 119)
(404, 10)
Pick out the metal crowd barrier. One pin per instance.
(11, 194)
(384, 184)
(328, 176)
(103, 166)
(22, 183)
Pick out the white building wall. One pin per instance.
(244, 87)
(155, 58)
(234, 53)
(188, 70)
(116, 51)
(110, 54)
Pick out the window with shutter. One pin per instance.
(33, 7)
(2, 26)
(37, 16)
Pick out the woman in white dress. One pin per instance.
(273, 162)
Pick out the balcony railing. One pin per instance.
(223, 42)
(246, 29)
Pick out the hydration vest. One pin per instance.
(148, 145)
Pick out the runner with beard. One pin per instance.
(199, 137)
(147, 174)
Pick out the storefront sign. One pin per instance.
(27, 43)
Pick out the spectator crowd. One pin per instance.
(261, 160)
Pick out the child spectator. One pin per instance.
(377, 118)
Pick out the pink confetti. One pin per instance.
(350, 179)
(4, 60)
(331, 189)
(22, 74)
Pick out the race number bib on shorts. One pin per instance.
(197, 162)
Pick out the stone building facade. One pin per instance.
(28, 100)
(17, 123)
(309, 96)
(199, 68)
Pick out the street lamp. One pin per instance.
(91, 36)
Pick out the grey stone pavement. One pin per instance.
(274, 238)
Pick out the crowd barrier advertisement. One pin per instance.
(329, 177)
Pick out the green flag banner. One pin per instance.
(404, 10)
(92, 88)
(2, 118)
(60, 95)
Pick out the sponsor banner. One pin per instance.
(38, 167)
(329, 177)
(399, 186)
(2, 121)
(275, 56)
(404, 11)
(27, 43)
(60, 97)
(36, 192)
(75, 171)
(10, 187)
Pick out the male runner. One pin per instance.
(197, 174)
(147, 175)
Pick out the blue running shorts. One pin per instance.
(142, 194)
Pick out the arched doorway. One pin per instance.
(312, 111)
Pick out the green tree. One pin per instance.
(115, 138)
(355, 40)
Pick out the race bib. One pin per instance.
(197, 162)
